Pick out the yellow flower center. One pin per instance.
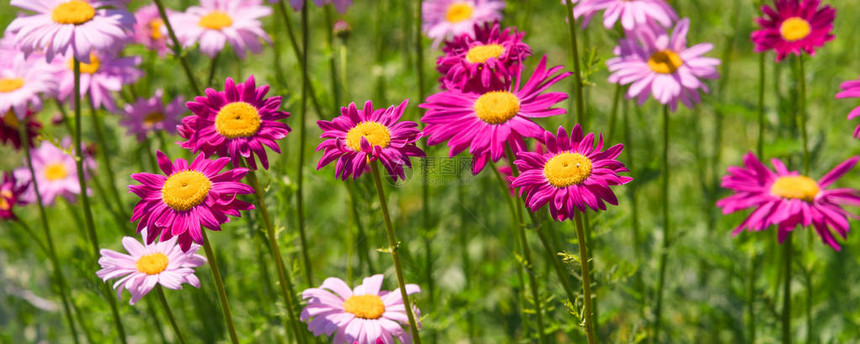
(459, 11)
(5, 195)
(56, 171)
(365, 306)
(152, 264)
(216, 20)
(795, 187)
(238, 119)
(153, 119)
(794, 29)
(155, 26)
(497, 107)
(185, 190)
(567, 169)
(10, 84)
(665, 62)
(73, 12)
(482, 53)
(375, 133)
(88, 68)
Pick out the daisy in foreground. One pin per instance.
(364, 315)
(632, 13)
(145, 266)
(152, 115)
(357, 138)
(70, 27)
(792, 26)
(573, 174)
(444, 19)
(787, 199)
(216, 22)
(654, 63)
(187, 197)
(486, 122)
(237, 123)
(851, 89)
(486, 61)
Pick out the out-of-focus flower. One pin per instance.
(104, 74)
(150, 115)
(445, 19)
(217, 22)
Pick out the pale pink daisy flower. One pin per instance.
(151, 115)
(22, 83)
(146, 265)
(106, 73)
(631, 13)
(654, 63)
(149, 29)
(56, 174)
(445, 19)
(216, 22)
(364, 315)
(70, 27)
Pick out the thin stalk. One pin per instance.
(177, 49)
(666, 228)
(43, 216)
(612, 115)
(213, 65)
(577, 72)
(586, 279)
(100, 136)
(761, 119)
(786, 291)
(751, 317)
(160, 291)
(802, 116)
(284, 277)
(282, 9)
(85, 199)
(464, 257)
(332, 64)
(300, 193)
(563, 276)
(219, 286)
(394, 247)
(147, 146)
(32, 235)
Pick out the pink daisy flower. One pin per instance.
(851, 89)
(146, 265)
(216, 22)
(793, 26)
(237, 123)
(358, 137)
(187, 197)
(149, 29)
(10, 196)
(151, 115)
(340, 5)
(364, 315)
(23, 82)
(9, 133)
(485, 122)
(104, 74)
(787, 199)
(632, 13)
(654, 63)
(70, 27)
(445, 19)
(56, 174)
(488, 60)
(572, 175)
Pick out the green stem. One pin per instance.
(177, 49)
(43, 216)
(213, 65)
(577, 72)
(284, 277)
(282, 9)
(219, 286)
(332, 64)
(32, 235)
(666, 226)
(103, 149)
(802, 116)
(300, 194)
(786, 300)
(761, 119)
(160, 291)
(394, 247)
(586, 279)
(619, 90)
(85, 199)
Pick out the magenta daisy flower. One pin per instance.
(149, 29)
(572, 175)
(146, 266)
(187, 197)
(237, 123)
(445, 19)
(364, 315)
(488, 60)
(23, 82)
(787, 199)
(794, 25)
(485, 122)
(632, 13)
(216, 22)
(10, 134)
(340, 5)
(654, 63)
(106, 73)
(71, 27)
(358, 137)
(56, 174)
(10, 196)
(151, 115)
(851, 89)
